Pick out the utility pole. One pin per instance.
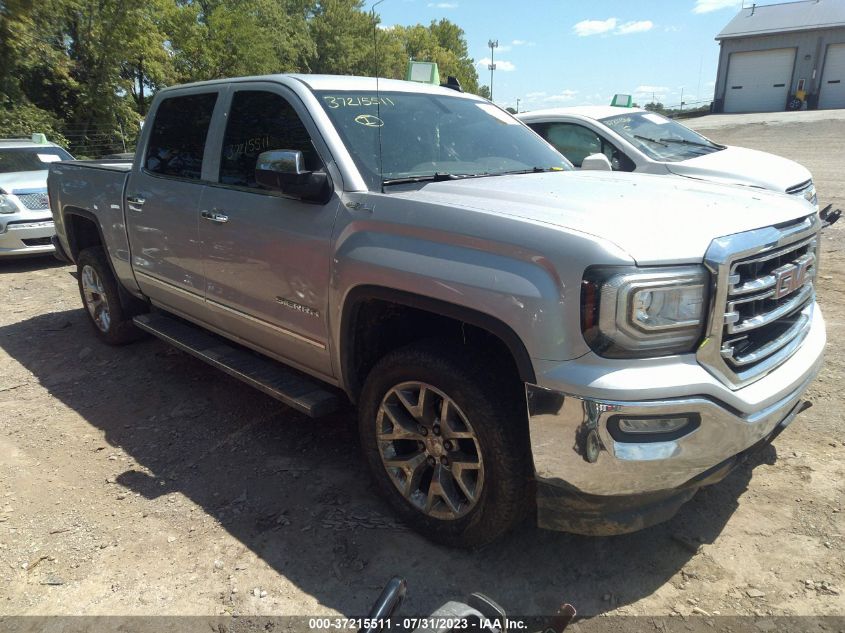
(493, 44)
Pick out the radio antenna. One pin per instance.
(378, 96)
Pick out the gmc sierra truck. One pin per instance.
(520, 339)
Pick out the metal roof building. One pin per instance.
(770, 54)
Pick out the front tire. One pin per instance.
(101, 299)
(446, 439)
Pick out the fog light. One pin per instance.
(652, 429)
(652, 425)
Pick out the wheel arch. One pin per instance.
(83, 230)
(355, 363)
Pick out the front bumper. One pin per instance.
(585, 477)
(24, 236)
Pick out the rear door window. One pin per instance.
(260, 121)
(177, 140)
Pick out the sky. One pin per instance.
(575, 52)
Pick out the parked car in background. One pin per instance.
(26, 224)
(638, 140)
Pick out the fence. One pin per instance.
(99, 141)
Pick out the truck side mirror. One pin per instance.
(597, 162)
(284, 170)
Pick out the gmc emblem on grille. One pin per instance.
(790, 278)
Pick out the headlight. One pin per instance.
(811, 196)
(643, 312)
(6, 204)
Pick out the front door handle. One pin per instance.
(135, 202)
(214, 216)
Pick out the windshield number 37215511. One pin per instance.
(333, 101)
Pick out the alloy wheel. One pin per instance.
(95, 298)
(430, 450)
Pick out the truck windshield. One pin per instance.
(13, 159)
(660, 138)
(433, 137)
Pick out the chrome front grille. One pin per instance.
(34, 201)
(763, 299)
(766, 296)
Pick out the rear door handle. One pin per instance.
(214, 216)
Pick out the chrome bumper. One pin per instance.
(24, 237)
(573, 448)
(587, 471)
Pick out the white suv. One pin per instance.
(26, 223)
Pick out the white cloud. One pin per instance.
(535, 95)
(522, 43)
(443, 5)
(562, 97)
(501, 64)
(639, 26)
(706, 6)
(585, 28)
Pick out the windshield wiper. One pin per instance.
(651, 140)
(684, 141)
(435, 177)
(533, 170)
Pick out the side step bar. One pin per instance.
(295, 389)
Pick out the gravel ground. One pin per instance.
(137, 480)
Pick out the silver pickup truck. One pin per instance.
(518, 337)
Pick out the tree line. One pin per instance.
(84, 71)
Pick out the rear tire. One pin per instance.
(434, 401)
(101, 298)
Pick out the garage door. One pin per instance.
(832, 88)
(759, 81)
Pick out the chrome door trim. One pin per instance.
(262, 322)
(165, 285)
(243, 315)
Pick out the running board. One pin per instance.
(295, 389)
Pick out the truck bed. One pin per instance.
(92, 188)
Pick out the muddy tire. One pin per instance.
(446, 440)
(100, 296)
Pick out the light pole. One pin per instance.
(517, 105)
(493, 44)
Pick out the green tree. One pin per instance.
(89, 68)
(484, 91)
(231, 38)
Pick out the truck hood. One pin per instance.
(652, 218)
(23, 181)
(741, 166)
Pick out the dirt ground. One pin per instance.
(138, 480)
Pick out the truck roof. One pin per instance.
(338, 82)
